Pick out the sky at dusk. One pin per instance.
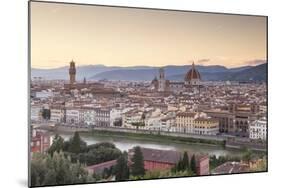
(129, 37)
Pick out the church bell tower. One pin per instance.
(162, 81)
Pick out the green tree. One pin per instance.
(121, 169)
(247, 156)
(46, 113)
(50, 178)
(185, 161)
(179, 165)
(38, 169)
(76, 144)
(55, 170)
(78, 174)
(98, 153)
(137, 163)
(57, 145)
(138, 124)
(193, 164)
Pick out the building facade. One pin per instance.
(72, 115)
(192, 80)
(40, 141)
(206, 126)
(195, 123)
(193, 77)
(115, 116)
(57, 114)
(102, 117)
(202, 165)
(89, 116)
(72, 73)
(236, 119)
(258, 129)
(184, 122)
(36, 112)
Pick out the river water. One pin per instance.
(126, 144)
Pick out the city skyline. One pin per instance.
(142, 37)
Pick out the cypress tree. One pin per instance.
(193, 164)
(121, 169)
(76, 144)
(138, 164)
(185, 161)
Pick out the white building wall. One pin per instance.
(258, 129)
(72, 116)
(153, 123)
(57, 115)
(35, 114)
(90, 117)
(44, 94)
(129, 119)
(114, 115)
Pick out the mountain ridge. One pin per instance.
(172, 72)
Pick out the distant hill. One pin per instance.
(137, 73)
(149, 73)
(208, 73)
(62, 72)
(257, 73)
(247, 73)
(86, 71)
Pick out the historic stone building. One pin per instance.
(94, 88)
(192, 79)
(196, 123)
(236, 120)
(72, 73)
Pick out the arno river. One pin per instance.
(125, 144)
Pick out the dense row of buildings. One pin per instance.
(188, 107)
(191, 106)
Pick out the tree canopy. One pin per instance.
(57, 145)
(137, 163)
(193, 164)
(121, 169)
(46, 113)
(56, 169)
(76, 144)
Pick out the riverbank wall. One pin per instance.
(160, 135)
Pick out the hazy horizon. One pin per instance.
(77, 65)
(127, 37)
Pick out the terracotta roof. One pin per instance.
(163, 156)
(98, 168)
(192, 74)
